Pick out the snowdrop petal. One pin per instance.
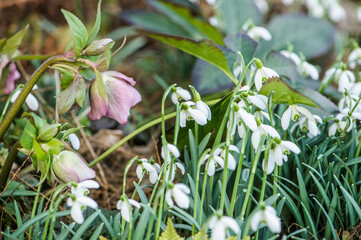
(270, 166)
(218, 232)
(89, 184)
(211, 168)
(255, 220)
(125, 212)
(168, 198)
(286, 118)
(181, 167)
(233, 148)
(231, 223)
(87, 201)
(258, 80)
(259, 101)
(291, 146)
(273, 222)
(134, 203)
(77, 214)
(248, 119)
(74, 140)
(139, 171)
(32, 102)
(305, 112)
(256, 138)
(270, 130)
(198, 116)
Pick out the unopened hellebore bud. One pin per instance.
(98, 47)
(70, 167)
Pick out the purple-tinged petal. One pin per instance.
(98, 107)
(10, 80)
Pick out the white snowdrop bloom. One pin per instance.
(294, 112)
(278, 153)
(258, 33)
(218, 225)
(356, 89)
(306, 69)
(355, 57)
(82, 188)
(254, 98)
(263, 74)
(358, 13)
(180, 94)
(345, 80)
(336, 12)
(78, 204)
(218, 158)
(262, 5)
(246, 117)
(168, 150)
(74, 140)
(287, 2)
(339, 125)
(125, 207)
(331, 74)
(315, 9)
(189, 113)
(211, 2)
(231, 164)
(143, 165)
(262, 129)
(178, 193)
(175, 166)
(262, 115)
(267, 216)
(204, 108)
(213, 21)
(30, 101)
(291, 55)
(307, 124)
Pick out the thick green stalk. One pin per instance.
(264, 180)
(8, 165)
(9, 118)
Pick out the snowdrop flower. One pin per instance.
(262, 129)
(218, 225)
(242, 119)
(143, 165)
(262, 74)
(339, 124)
(189, 113)
(168, 150)
(291, 55)
(179, 193)
(315, 9)
(262, 5)
(175, 166)
(344, 77)
(278, 153)
(294, 112)
(218, 158)
(74, 140)
(30, 101)
(287, 2)
(258, 33)
(254, 98)
(82, 189)
(355, 57)
(358, 13)
(200, 105)
(180, 94)
(124, 205)
(211, 2)
(336, 12)
(306, 69)
(307, 124)
(266, 215)
(117, 99)
(78, 204)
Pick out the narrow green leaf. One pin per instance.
(141, 194)
(85, 225)
(303, 193)
(310, 220)
(170, 233)
(142, 224)
(95, 235)
(331, 214)
(13, 42)
(28, 136)
(333, 231)
(350, 198)
(321, 190)
(2, 43)
(95, 30)
(107, 224)
(78, 30)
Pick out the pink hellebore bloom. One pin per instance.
(13, 74)
(120, 97)
(70, 167)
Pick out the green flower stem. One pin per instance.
(238, 176)
(127, 167)
(56, 206)
(275, 180)
(177, 125)
(264, 179)
(251, 178)
(9, 118)
(151, 222)
(35, 204)
(8, 165)
(130, 136)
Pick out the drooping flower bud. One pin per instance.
(98, 47)
(70, 167)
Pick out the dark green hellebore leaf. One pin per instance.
(197, 27)
(219, 56)
(13, 42)
(282, 65)
(313, 37)
(78, 30)
(28, 136)
(240, 42)
(39, 122)
(66, 99)
(283, 92)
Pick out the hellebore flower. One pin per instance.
(179, 193)
(218, 225)
(268, 216)
(125, 206)
(13, 75)
(70, 167)
(118, 98)
(78, 204)
(263, 74)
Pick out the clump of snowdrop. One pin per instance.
(151, 168)
(125, 207)
(178, 193)
(78, 199)
(278, 153)
(267, 215)
(218, 225)
(30, 101)
(263, 74)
